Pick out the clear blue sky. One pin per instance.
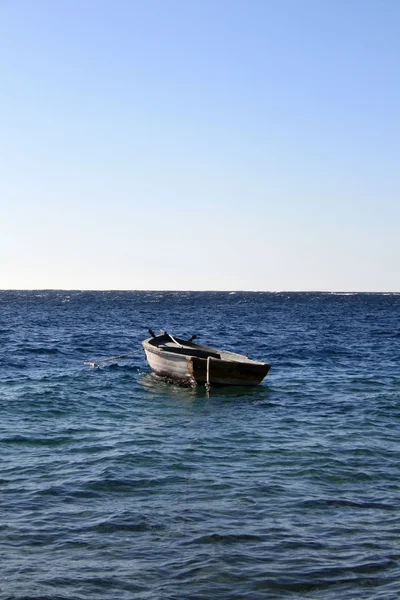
(200, 144)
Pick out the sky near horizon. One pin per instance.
(200, 144)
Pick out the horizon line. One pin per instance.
(282, 291)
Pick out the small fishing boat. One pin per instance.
(188, 363)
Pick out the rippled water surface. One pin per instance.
(117, 485)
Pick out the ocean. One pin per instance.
(114, 484)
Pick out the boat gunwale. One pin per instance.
(225, 355)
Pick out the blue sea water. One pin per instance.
(114, 484)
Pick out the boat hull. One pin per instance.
(227, 372)
(191, 364)
(174, 367)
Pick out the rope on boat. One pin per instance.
(208, 386)
(95, 363)
(174, 340)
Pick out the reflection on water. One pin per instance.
(157, 385)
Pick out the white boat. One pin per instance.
(185, 362)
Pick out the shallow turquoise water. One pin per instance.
(117, 485)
